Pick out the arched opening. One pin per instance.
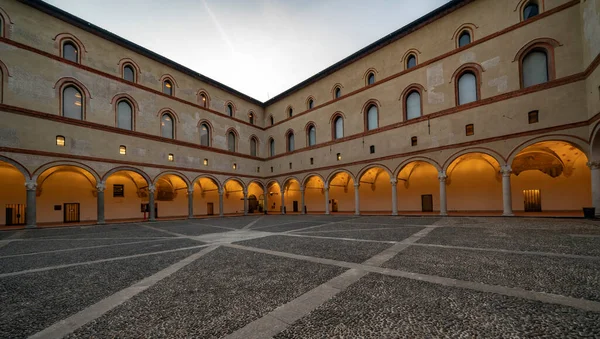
(129, 73)
(292, 196)
(411, 61)
(371, 78)
(70, 51)
(273, 197)
(530, 10)
(13, 196)
(124, 115)
(550, 176)
(464, 39)
(72, 103)
(253, 146)
(233, 197)
(418, 188)
(341, 193)
(167, 127)
(171, 196)
(256, 198)
(206, 196)
(271, 147)
(372, 117)
(535, 68)
(375, 191)
(474, 183)
(125, 194)
(167, 87)
(311, 135)
(204, 130)
(66, 194)
(314, 194)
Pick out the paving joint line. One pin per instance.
(252, 223)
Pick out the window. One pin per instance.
(464, 39)
(129, 73)
(469, 129)
(251, 118)
(272, 122)
(230, 110)
(271, 169)
(312, 135)
(535, 68)
(290, 165)
(530, 10)
(72, 103)
(231, 141)
(204, 135)
(311, 103)
(271, 148)
(290, 112)
(290, 142)
(171, 157)
(122, 150)
(372, 118)
(337, 92)
(413, 141)
(70, 52)
(338, 156)
(413, 105)
(118, 191)
(60, 140)
(411, 61)
(372, 149)
(371, 79)
(203, 100)
(234, 166)
(467, 88)
(338, 126)
(253, 147)
(533, 117)
(312, 161)
(124, 115)
(258, 169)
(167, 87)
(205, 162)
(167, 126)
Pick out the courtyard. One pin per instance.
(304, 276)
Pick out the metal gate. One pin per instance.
(71, 212)
(15, 214)
(533, 200)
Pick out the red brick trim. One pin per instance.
(237, 138)
(407, 54)
(135, 108)
(203, 93)
(62, 38)
(542, 44)
(404, 95)
(233, 109)
(307, 132)
(7, 22)
(175, 118)
(59, 87)
(310, 97)
(332, 123)
(368, 72)
(210, 131)
(521, 6)
(364, 111)
(129, 62)
(287, 140)
(333, 89)
(467, 26)
(470, 67)
(171, 79)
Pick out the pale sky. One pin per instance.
(258, 47)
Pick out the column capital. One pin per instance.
(356, 184)
(506, 170)
(301, 188)
(31, 185)
(221, 192)
(442, 176)
(151, 188)
(326, 186)
(190, 190)
(393, 181)
(593, 165)
(101, 186)
(245, 190)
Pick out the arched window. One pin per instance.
(464, 39)
(290, 112)
(530, 10)
(535, 68)
(290, 142)
(411, 61)
(467, 88)
(203, 100)
(271, 147)
(167, 127)
(204, 135)
(230, 110)
(272, 122)
(231, 141)
(129, 73)
(124, 115)
(413, 105)
(337, 92)
(70, 51)
(372, 118)
(311, 103)
(253, 147)
(371, 79)
(251, 118)
(312, 135)
(167, 87)
(1, 26)
(72, 103)
(338, 126)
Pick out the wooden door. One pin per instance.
(427, 203)
(71, 212)
(210, 208)
(532, 200)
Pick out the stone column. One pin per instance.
(302, 208)
(595, 173)
(443, 205)
(266, 201)
(394, 183)
(100, 187)
(31, 186)
(190, 202)
(221, 212)
(282, 201)
(151, 190)
(245, 201)
(326, 188)
(356, 199)
(506, 192)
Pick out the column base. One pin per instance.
(31, 226)
(101, 222)
(396, 213)
(508, 214)
(356, 213)
(444, 214)
(190, 217)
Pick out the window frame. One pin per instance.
(546, 44)
(254, 139)
(463, 33)
(233, 132)
(172, 88)
(288, 145)
(208, 132)
(173, 125)
(251, 118)
(62, 100)
(128, 102)
(133, 70)
(271, 147)
(334, 117)
(308, 127)
(477, 71)
(408, 58)
(367, 106)
(419, 89)
(76, 47)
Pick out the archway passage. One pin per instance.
(206, 197)
(273, 197)
(418, 188)
(66, 194)
(233, 197)
(256, 198)
(375, 191)
(126, 196)
(171, 197)
(341, 193)
(551, 177)
(292, 196)
(474, 184)
(13, 196)
(314, 194)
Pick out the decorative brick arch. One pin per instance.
(337, 85)
(237, 138)
(60, 85)
(210, 130)
(521, 6)
(364, 111)
(332, 119)
(470, 67)
(287, 140)
(308, 99)
(368, 72)
(257, 140)
(287, 112)
(547, 45)
(7, 23)
(202, 92)
(408, 53)
(135, 108)
(61, 38)
(129, 62)
(468, 27)
(307, 132)
(233, 108)
(175, 117)
(404, 95)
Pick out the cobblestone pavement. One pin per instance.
(304, 276)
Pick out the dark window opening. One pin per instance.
(372, 149)
(533, 117)
(413, 141)
(469, 129)
(118, 191)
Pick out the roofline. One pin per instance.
(96, 30)
(388, 39)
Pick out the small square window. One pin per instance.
(60, 140)
(469, 129)
(258, 169)
(413, 141)
(372, 149)
(312, 161)
(290, 165)
(122, 150)
(171, 157)
(205, 162)
(339, 156)
(271, 169)
(118, 191)
(234, 166)
(533, 117)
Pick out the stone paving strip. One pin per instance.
(394, 234)
(250, 224)
(100, 231)
(70, 324)
(285, 315)
(308, 235)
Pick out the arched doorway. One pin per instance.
(126, 195)
(171, 196)
(551, 176)
(256, 197)
(314, 194)
(341, 192)
(13, 196)
(418, 188)
(375, 191)
(273, 197)
(233, 197)
(292, 196)
(206, 196)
